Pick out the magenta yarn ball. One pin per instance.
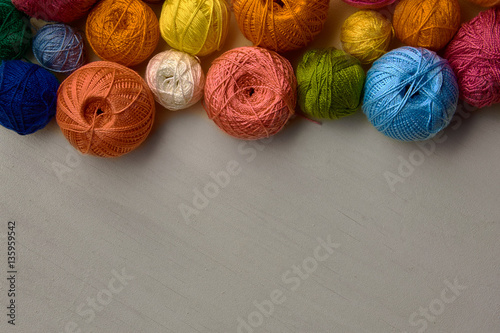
(55, 10)
(474, 55)
(369, 4)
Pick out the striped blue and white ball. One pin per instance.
(59, 48)
(410, 94)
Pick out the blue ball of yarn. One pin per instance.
(410, 94)
(28, 95)
(60, 48)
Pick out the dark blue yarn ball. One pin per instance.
(28, 95)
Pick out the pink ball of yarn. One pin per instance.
(474, 55)
(55, 10)
(250, 92)
(369, 4)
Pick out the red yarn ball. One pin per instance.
(55, 10)
(474, 55)
(369, 4)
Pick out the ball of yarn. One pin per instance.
(250, 92)
(196, 27)
(426, 23)
(330, 83)
(474, 55)
(176, 79)
(59, 47)
(486, 3)
(105, 109)
(281, 25)
(15, 33)
(123, 31)
(366, 35)
(369, 4)
(28, 95)
(410, 94)
(55, 10)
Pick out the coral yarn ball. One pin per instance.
(105, 109)
(474, 55)
(369, 4)
(486, 3)
(426, 23)
(27, 96)
(55, 10)
(195, 27)
(281, 25)
(250, 92)
(123, 31)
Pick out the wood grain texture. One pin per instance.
(81, 221)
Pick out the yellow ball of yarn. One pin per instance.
(195, 27)
(366, 35)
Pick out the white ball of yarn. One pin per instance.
(176, 79)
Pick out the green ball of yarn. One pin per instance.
(330, 83)
(15, 33)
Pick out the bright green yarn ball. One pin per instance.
(330, 83)
(15, 33)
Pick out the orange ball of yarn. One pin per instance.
(426, 23)
(105, 109)
(281, 25)
(486, 3)
(123, 31)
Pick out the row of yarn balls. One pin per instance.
(106, 109)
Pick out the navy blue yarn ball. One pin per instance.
(410, 94)
(28, 95)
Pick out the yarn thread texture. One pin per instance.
(123, 31)
(27, 96)
(410, 94)
(15, 33)
(65, 11)
(105, 109)
(281, 25)
(250, 92)
(369, 4)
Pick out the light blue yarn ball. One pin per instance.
(59, 48)
(410, 94)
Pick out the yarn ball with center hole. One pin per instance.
(486, 3)
(426, 23)
(330, 83)
(28, 95)
(105, 109)
(369, 4)
(366, 35)
(410, 94)
(474, 55)
(250, 92)
(195, 27)
(59, 47)
(65, 11)
(281, 25)
(176, 79)
(123, 31)
(15, 32)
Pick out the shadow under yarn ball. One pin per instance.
(15, 32)
(123, 31)
(474, 55)
(65, 11)
(195, 27)
(27, 96)
(59, 47)
(105, 109)
(426, 23)
(486, 3)
(330, 83)
(281, 25)
(410, 94)
(250, 92)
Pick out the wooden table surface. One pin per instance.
(327, 227)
